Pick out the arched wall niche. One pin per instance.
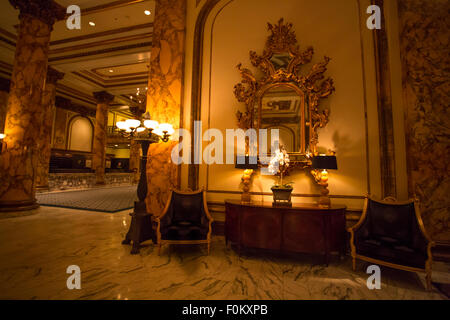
(353, 122)
(80, 134)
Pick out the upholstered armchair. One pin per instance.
(185, 220)
(391, 233)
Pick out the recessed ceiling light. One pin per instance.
(91, 23)
(111, 70)
(147, 12)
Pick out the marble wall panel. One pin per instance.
(425, 55)
(73, 181)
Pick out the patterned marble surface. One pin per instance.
(161, 176)
(99, 146)
(425, 54)
(35, 251)
(165, 83)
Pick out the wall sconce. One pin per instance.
(2, 136)
(248, 164)
(321, 164)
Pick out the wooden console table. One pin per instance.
(305, 228)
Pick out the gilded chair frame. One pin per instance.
(160, 241)
(431, 243)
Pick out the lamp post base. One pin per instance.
(141, 227)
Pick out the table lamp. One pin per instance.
(249, 164)
(320, 165)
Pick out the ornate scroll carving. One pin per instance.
(313, 84)
(47, 11)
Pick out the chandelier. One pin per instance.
(130, 128)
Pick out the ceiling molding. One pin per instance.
(146, 45)
(112, 81)
(110, 84)
(102, 43)
(100, 34)
(110, 6)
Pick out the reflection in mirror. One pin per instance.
(280, 60)
(282, 108)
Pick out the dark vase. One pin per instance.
(282, 196)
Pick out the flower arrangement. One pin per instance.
(279, 165)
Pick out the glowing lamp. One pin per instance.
(133, 123)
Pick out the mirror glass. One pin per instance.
(282, 108)
(280, 60)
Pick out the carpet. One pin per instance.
(110, 200)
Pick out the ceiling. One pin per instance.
(113, 55)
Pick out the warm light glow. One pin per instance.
(147, 12)
(133, 123)
(2, 136)
(121, 125)
(92, 24)
(151, 124)
(140, 129)
(166, 128)
(158, 132)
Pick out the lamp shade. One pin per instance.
(246, 162)
(2, 136)
(166, 128)
(133, 123)
(151, 124)
(121, 125)
(324, 162)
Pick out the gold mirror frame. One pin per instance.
(312, 85)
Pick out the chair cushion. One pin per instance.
(184, 230)
(391, 250)
(392, 223)
(187, 208)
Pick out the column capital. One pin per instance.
(103, 97)
(47, 11)
(53, 75)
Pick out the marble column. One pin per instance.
(44, 139)
(4, 93)
(24, 114)
(100, 134)
(165, 87)
(135, 154)
(165, 83)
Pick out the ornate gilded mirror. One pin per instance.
(283, 98)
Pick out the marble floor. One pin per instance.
(35, 251)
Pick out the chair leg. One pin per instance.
(209, 247)
(429, 287)
(159, 249)
(354, 263)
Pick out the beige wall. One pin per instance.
(333, 28)
(118, 153)
(61, 129)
